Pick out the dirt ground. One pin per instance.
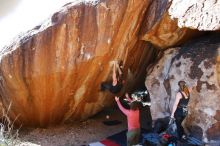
(78, 134)
(75, 134)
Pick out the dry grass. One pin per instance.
(8, 135)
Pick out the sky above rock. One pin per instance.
(18, 16)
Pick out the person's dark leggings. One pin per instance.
(179, 119)
(105, 86)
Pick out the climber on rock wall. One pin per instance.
(117, 82)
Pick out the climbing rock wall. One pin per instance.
(159, 29)
(196, 14)
(53, 73)
(196, 62)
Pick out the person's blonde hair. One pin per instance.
(183, 87)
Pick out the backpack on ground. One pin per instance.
(151, 139)
(172, 128)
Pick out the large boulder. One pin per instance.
(162, 31)
(197, 62)
(196, 14)
(53, 72)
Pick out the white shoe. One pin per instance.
(146, 103)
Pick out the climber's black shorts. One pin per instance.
(113, 89)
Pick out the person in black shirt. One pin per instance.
(142, 96)
(179, 111)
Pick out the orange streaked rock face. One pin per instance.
(159, 29)
(53, 72)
